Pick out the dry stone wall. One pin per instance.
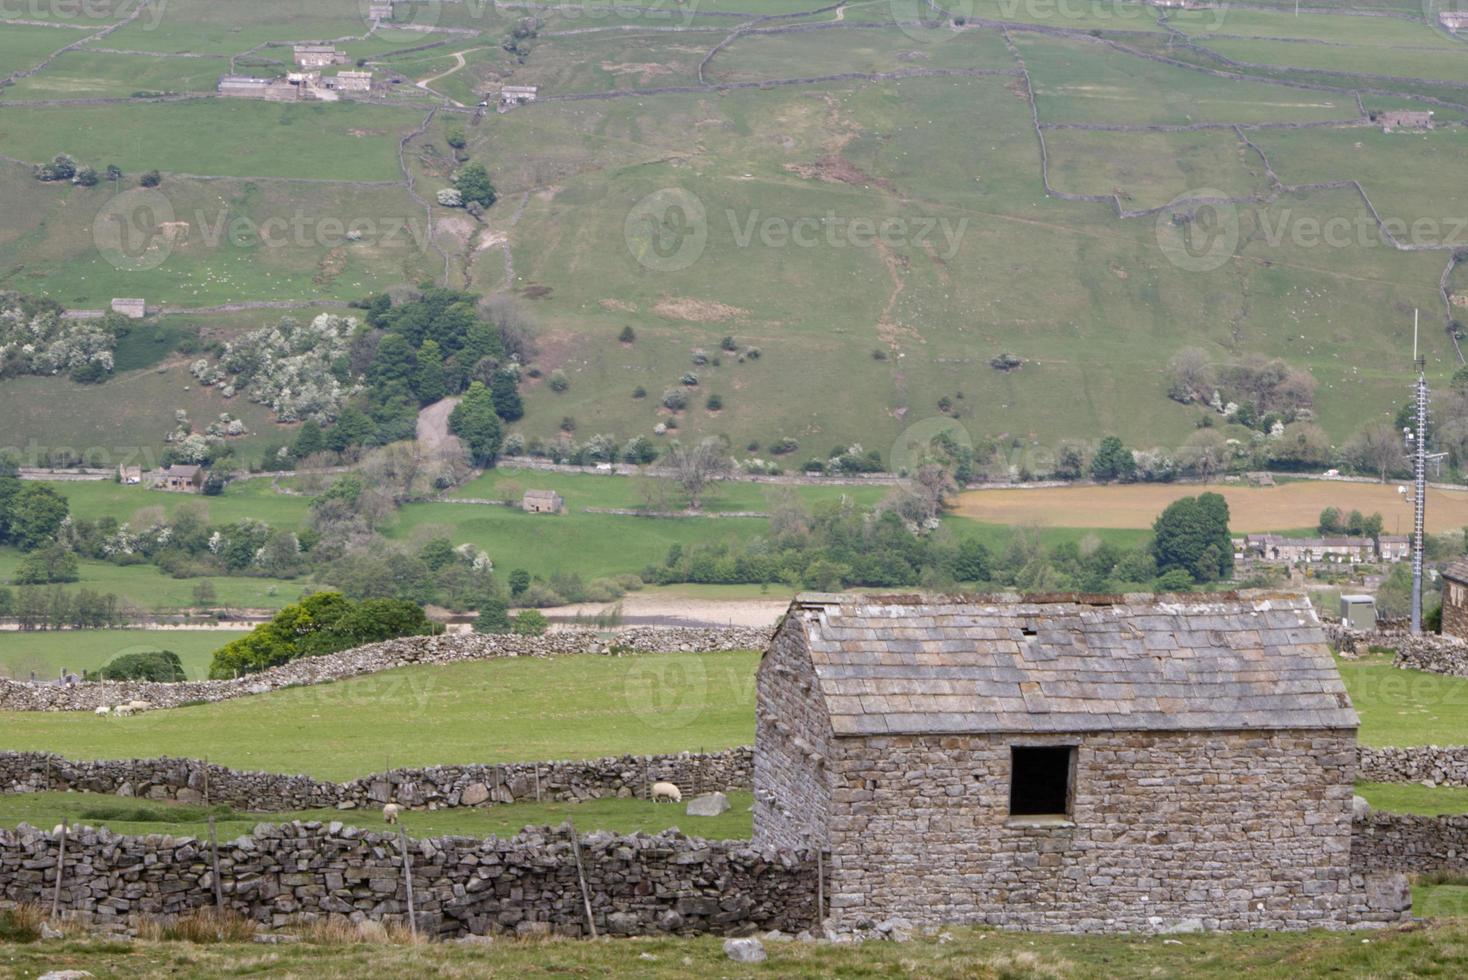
(1418, 651)
(432, 788)
(1438, 765)
(1411, 843)
(528, 885)
(374, 657)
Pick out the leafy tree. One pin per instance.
(394, 367)
(1192, 535)
(456, 139)
(695, 467)
(475, 421)
(494, 616)
(204, 593)
(36, 513)
(973, 561)
(85, 177)
(437, 553)
(473, 183)
(519, 581)
(1330, 521)
(353, 428)
(53, 563)
(149, 665)
(504, 386)
(1176, 580)
(1113, 461)
(151, 179)
(628, 335)
(114, 172)
(428, 382)
(530, 622)
(309, 440)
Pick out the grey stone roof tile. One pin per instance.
(957, 664)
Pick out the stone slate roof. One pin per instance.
(1070, 663)
(1456, 571)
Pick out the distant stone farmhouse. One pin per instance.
(130, 475)
(1395, 119)
(379, 10)
(542, 502)
(351, 81)
(133, 309)
(1454, 20)
(1394, 547)
(513, 95)
(182, 479)
(269, 89)
(1067, 763)
(296, 86)
(318, 55)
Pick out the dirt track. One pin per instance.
(1281, 508)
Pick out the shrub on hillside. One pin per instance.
(530, 622)
(322, 623)
(150, 665)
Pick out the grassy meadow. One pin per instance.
(49, 653)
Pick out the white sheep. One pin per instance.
(390, 813)
(138, 707)
(666, 791)
(123, 711)
(102, 710)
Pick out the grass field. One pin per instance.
(1406, 707)
(1251, 509)
(967, 954)
(487, 711)
(622, 816)
(49, 653)
(348, 141)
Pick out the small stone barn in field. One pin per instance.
(1068, 763)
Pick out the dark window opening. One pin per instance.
(1041, 781)
(1030, 631)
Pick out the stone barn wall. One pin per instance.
(1211, 830)
(792, 749)
(436, 787)
(638, 884)
(1411, 843)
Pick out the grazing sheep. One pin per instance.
(666, 791)
(123, 710)
(139, 707)
(390, 813)
(102, 710)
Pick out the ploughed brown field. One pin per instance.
(1280, 508)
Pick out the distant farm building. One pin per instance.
(379, 10)
(180, 479)
(542, 502)
(1071, 763)
(1394, 547)
(133, 309)
(318, 55)
(269, 89)
(351, 81)
(1454, 20)
(513, 95)
(1395, 119)
(130, 475)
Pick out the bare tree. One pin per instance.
(1190, 374)
(515, 325)
(656, 494)
(695, 467)
(1377, 449)
(1205, 452)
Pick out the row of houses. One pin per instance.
(1344, 549)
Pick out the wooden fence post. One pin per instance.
(408, 880)
(214, 862)
(60, 868)
(581, 877)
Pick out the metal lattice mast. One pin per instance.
(1419, 476)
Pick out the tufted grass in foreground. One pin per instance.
(1439, 949)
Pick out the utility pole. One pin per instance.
(1419, 477)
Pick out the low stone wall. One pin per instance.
(433, 788)
(528, 885)
(1410, 843)
(374, 657)
(1439, 765)
(1418, 651)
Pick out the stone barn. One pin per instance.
(1065, 763)
(1455, 600)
